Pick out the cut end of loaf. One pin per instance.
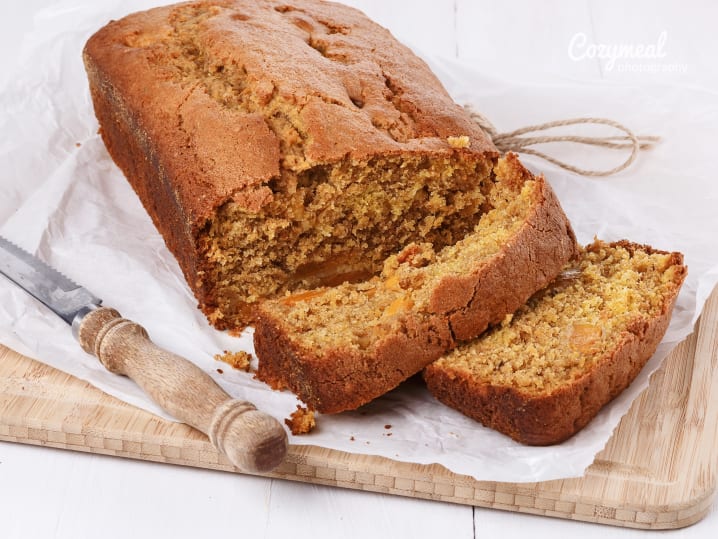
(334, 223)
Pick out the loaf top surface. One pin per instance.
(228, 94)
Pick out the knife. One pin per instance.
(252, 440)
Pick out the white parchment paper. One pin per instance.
(62, 198)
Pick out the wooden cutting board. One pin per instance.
(657, 471)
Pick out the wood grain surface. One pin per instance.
(656, 472)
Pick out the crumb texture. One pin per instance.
(358, 315)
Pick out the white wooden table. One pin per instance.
(52, 493)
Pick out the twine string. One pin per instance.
(514, 141)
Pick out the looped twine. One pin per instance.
(514, 141)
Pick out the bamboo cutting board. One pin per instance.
(657, 471)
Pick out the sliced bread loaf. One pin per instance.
(548, 369)
(282, 145)
(338, 348)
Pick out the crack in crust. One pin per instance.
(229, 83)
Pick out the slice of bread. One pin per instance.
(547, 370)
(338, 348)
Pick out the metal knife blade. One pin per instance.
(252, 440)
(64, 297)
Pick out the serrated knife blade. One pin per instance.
(64, 297)
(252, 440)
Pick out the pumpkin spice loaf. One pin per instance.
(546, 371)
(279, 145)
(340, 347)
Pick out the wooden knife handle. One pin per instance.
(252, 440)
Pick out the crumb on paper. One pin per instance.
(387, 426)
(301, 421)
(351, 438)
(78, 144)
(220, 371)
(237, 360)
(459, 142)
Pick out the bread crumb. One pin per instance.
(459, 142)
(237, 360)
(301, 421)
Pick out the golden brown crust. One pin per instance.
(124, 68)
(460, 308)
(343, 379)
(551, 418)
(346, 86)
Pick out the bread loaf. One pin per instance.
(279, 145)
